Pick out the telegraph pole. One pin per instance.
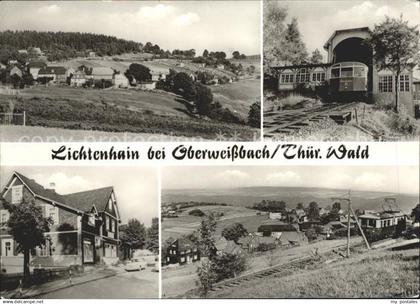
(349, 212)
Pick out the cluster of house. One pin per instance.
(85, 227)
(275, 232)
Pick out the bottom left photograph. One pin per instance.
(79, 232)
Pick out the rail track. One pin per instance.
(274, 271)
(287, 122)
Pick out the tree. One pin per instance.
(236, 55)
(273, 33)
(139, 72)
(206, 278)
(203, 99)
(184, 85)
(293, 46)
(16, 81)
(134, 234)
(313, 211)
(395, 48)
(299, 206)
(254, 115)
(316, 57)
(206, 233)
(28, 226)
(152, 236)
(205, 54)
(415, 213)
(234, 232)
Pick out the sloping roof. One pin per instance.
(275, 226)
(40, 190)
(226, 246)
(85, 199)
(356, 29)
(57, 70)
(37, 64)
(299, 66)
(82, 201)
(184, 244)
(292, 236)
(102, 71)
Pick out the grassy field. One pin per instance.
(238, 96)
(247, 196)
(187, 224)
(374, 274)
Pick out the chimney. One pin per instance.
(51, 186)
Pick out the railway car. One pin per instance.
(348, 81)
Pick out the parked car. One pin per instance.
(135, 265)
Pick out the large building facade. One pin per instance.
(349, 45)
(84, 230)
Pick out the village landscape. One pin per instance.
(288, 242)
(73, 84)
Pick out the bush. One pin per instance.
(254, 115)
(228, 265)
(196, 212)
(404, 123)
(266, 246)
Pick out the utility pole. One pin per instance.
(349, 212)
(348, 225)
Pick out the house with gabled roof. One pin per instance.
(182, 251)
(56, 73)
(84, 230)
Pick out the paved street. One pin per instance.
(125, 285)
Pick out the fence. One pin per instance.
(9, 118)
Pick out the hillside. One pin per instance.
(62, 45)
(246, 197)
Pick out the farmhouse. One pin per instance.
(56, 73)
(286, 234)
(374, 219)
(348, 46)
(78, 79)
(147, 85)
(120, 81)
(100, 73)
(85, 228)
(34, 67)
(182, 251)
(222, 245)
(251, 242)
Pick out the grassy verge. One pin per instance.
(80, 114)
(375, 274)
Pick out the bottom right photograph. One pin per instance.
(290, 232)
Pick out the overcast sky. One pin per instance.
(403, 179)
(319, 19)
(215, 25)
(135, 188)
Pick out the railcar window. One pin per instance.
(347, 72)
(335, 73)
(358, 72)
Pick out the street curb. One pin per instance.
(64, 287)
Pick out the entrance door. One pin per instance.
(7, 247)
(87, 251)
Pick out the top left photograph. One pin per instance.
(130, 71)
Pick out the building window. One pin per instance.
(7, 247)
(302, 76)
(385, 84)
(4, 216)
(91, 219)
(335, 73)
(111, 226)
(404, 84)
(17, 194)
(107, 222)
(318, 76)
(287, 78)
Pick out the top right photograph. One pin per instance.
(341, 70)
